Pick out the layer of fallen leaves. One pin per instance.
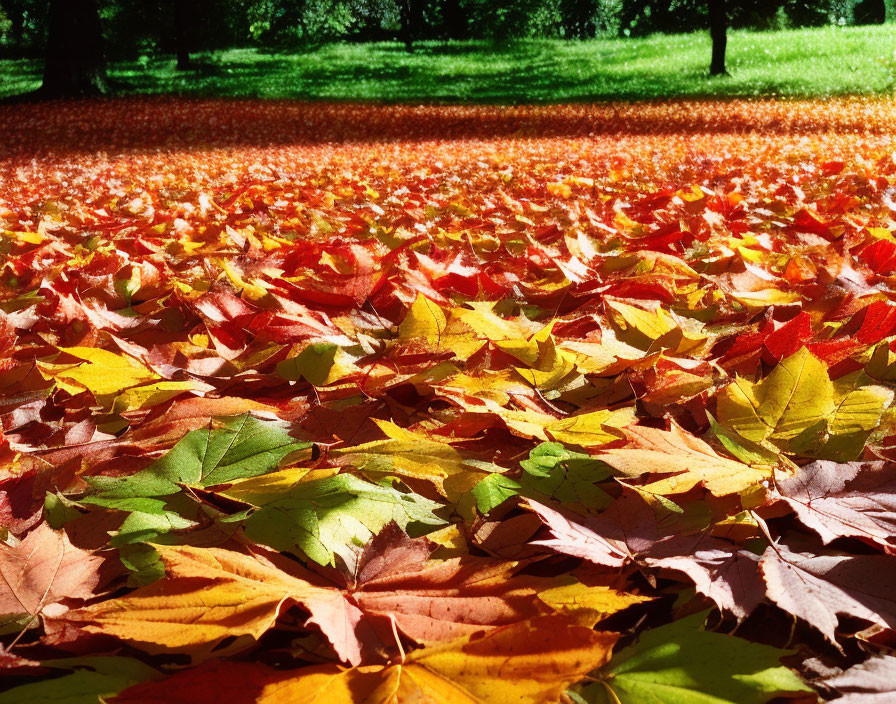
(320, 403)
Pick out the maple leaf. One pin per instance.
(690, 460)
(843, 500)
(524, 663)
(42, 570)
(681, 662)
(549, 365)
(93, 679)
(746, 451)
(435, 601)
(797, 395)
(551, 471)
(587, 603)
(653, 329)
(209, 594)
(241, 447)
(21, 499)
(409, 453)
(493, 490)
(630, 531)
(721, 572)
(320, 364)
(816, 588)
(101, 372)
(859, 407)
(486, 324)
(148, 395)
(579, 540)
(328, 516)
(425, 320)
(869, 682)
(592, 429)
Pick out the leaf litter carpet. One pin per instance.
(341, 403)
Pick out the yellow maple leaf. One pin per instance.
(588, 604)
(320, 363)
(530, 662)
(427, 322)
(100, 372)
(150, 395)
(592, 429)
(795, 396)
(686, 458)
(413, 454)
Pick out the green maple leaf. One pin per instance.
(682, 664)
(566, 476)
(242, 447)
(92, 679)
(550, 471)
(327, 517)
(494, 490)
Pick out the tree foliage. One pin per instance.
(139, 27)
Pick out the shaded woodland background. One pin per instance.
(76, 39)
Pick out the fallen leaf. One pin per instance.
(797, 395)
(93, 679)
(690, 460)
(845, 500)
(680, 662)
(329, 516)
(209, 594)
(869, 682)
(816, 588)
(42, 570)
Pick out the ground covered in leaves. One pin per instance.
(333, 403)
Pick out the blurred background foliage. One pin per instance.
(146, 28)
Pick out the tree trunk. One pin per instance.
(406, 9)
(454, 23)
(870, 12)
(75, 63)
(411, 21)
(718, 30)
(183, 34)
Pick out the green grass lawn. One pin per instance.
(797, 63)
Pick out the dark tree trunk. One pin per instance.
(183, 34)
(870, 12)
(75, 63)
(454, 23)
(411, 19)
(718, 30)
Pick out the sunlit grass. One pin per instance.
(800, 63)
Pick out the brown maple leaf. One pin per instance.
(44, 569)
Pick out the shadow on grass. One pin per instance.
(804, 63)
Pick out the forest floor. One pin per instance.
(316, 401)
(796, 63)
